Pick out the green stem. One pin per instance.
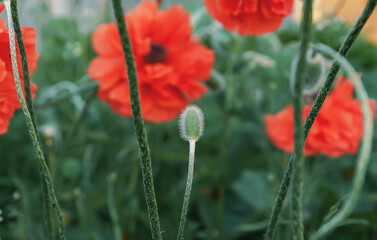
(298, 165)
(346, 45)
(24, 61)
(365, 150)
(284, 186)
(26, 76)
(186, 199)
(228, 102)
(146, 162)
(111, 205)
(47, 206)
(31, 126)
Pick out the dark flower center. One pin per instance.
(157, 54)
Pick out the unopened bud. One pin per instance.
(191, 123)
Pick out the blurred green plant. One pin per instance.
(47, 183)
(365, 149)
(258, 69)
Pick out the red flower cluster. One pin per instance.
(8, 94)
(250, 17)
(337, 130)
(169, 62)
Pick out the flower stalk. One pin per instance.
(364, 154)
(325, 90)
(146, 162)
(30, 121)
(29, 101)
(186, 199)
(298, 164)
(191, 127)
(111, 180)
(24, 62)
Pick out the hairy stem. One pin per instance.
(347, 43)
(365, 150)
(24, 61)
(186, 199)
(298, 165)
(146, 162)
(30, 121)
(26, 76)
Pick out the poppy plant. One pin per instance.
(337, 130)
(170, 63)
(250, 17)
(8, 95)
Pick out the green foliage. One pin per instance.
(88, 143)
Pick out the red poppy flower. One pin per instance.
(8, 94)
(337, 130)
(169, 62)
(250, 17)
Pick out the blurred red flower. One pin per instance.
(250, 17)
(8, 94)
(169, 62)
(337, 130)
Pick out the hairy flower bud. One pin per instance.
(191, 123)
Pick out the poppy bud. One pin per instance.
(191, 123)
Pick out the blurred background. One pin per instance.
(93, 154)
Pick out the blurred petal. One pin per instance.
(337, 130)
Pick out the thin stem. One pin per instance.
(47, 206)
(228, 102)
(284, 186)
(366, 147)
(186, 199)
(31, 127)
(146, 162)
(24, 61)
(26, 76)
(111, 205)
(298, 165)
(346, 45)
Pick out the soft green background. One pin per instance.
(90, 142)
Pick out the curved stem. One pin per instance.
(26, 76)
(284, 186)
(298, 165)
(186, 199)
(146, 162)
(366, 147)
(111, 179)
(346, 45)
(24, 61)
(229, 93)
(31, 127)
